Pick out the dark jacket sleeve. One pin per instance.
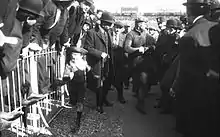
(64, 37)
(10, 52)
(90, 45)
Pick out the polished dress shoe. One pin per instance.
(107, 103)
(100, 110)
(122, 100)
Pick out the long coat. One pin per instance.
(95, 44)
(198, 104)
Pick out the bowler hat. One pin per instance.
(196, 2)
(107, 16)
(33, 6)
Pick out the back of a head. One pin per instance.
(197, 7)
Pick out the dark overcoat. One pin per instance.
(95, 44)
(198, 104)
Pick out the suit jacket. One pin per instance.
(96, 44)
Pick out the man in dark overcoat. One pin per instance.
(198, 104)
(98, 42)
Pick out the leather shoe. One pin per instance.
(100, 110)
(122, 100)
(107, 103)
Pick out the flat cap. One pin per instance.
(77, 50)
(119, 24)
(91, 2)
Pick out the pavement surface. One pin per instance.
(135, 124)
(117, 121)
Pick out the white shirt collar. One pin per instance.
(197, 18)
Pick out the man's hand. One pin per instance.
(212, 74)
(34, 47)
(104, 55)
(141, 49)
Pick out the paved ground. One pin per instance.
(137, 125)
(118, 121)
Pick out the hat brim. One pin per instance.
(189, 4)
(107, 21)
(78, 50)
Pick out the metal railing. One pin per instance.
(28, 69)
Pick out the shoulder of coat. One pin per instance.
(200, 33)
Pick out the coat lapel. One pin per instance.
(100, 36)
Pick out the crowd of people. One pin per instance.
(182, 57)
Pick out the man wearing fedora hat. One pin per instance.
(197, 94)
(98, 42)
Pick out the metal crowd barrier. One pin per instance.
(41, 113)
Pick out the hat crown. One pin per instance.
(33, 6)
(107, 16)
(198, 2)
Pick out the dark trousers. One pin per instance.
(77, 92)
